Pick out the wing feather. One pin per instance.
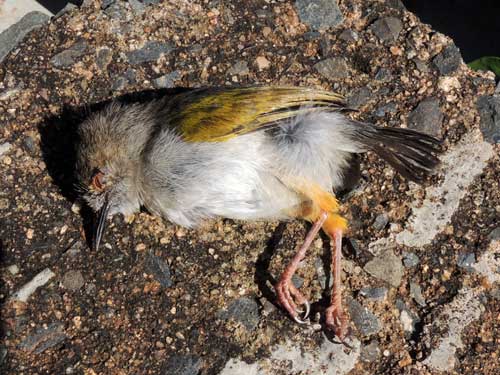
(219, 114)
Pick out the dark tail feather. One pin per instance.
(411, 153)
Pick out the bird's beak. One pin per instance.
(102, 215)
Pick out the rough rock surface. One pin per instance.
(159, 299)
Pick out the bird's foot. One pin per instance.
(337, 322)
(289, 297)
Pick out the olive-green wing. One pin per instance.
(219, 114)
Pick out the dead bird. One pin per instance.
(252, 153)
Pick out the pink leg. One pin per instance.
(334, 315)
(288, 295)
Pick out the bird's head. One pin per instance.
(109, 161)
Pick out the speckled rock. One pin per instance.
(167, 81)
(494, 234)
(386, 267)
(381, 221)
(349, 35)
(182, 364)
(73, 280)
(159, 269)
(408, 318)
(319, 14)
(104, 56)
(151, 51)
(244, 310)
(427, 117)
(44, 338)
(383, 111)
(239, 68)
(448, 60)
(387, 28)
(106, 3)
(466, 261)
(416, 294)
(123, 318)
(410, 259)
(128, 78)
(10, 37)
(67, 8)
(365, 321)
(377, 294)
(4, 148)
(69, 56)
(333, 68)
(383, 74)
(359, 97)
(489, 110)
(370, 352)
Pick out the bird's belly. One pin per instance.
(247, 196)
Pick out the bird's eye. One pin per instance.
(97, 181)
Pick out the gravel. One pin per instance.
(123, 318)
(494, 234)
(137, 6)
(40, 279)
(106, 3)
(383, 74)
(383, 111)
(67, 8)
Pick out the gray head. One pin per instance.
(109, 158)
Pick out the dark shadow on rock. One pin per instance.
(262, 275)
(59, 138)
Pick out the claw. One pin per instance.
(308, 309)
(304, 319)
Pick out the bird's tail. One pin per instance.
(411, 153)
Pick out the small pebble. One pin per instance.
(13, 269)
(73, 280)
(262, 63)
(410, 259)
(4, 148)
(466, 261)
